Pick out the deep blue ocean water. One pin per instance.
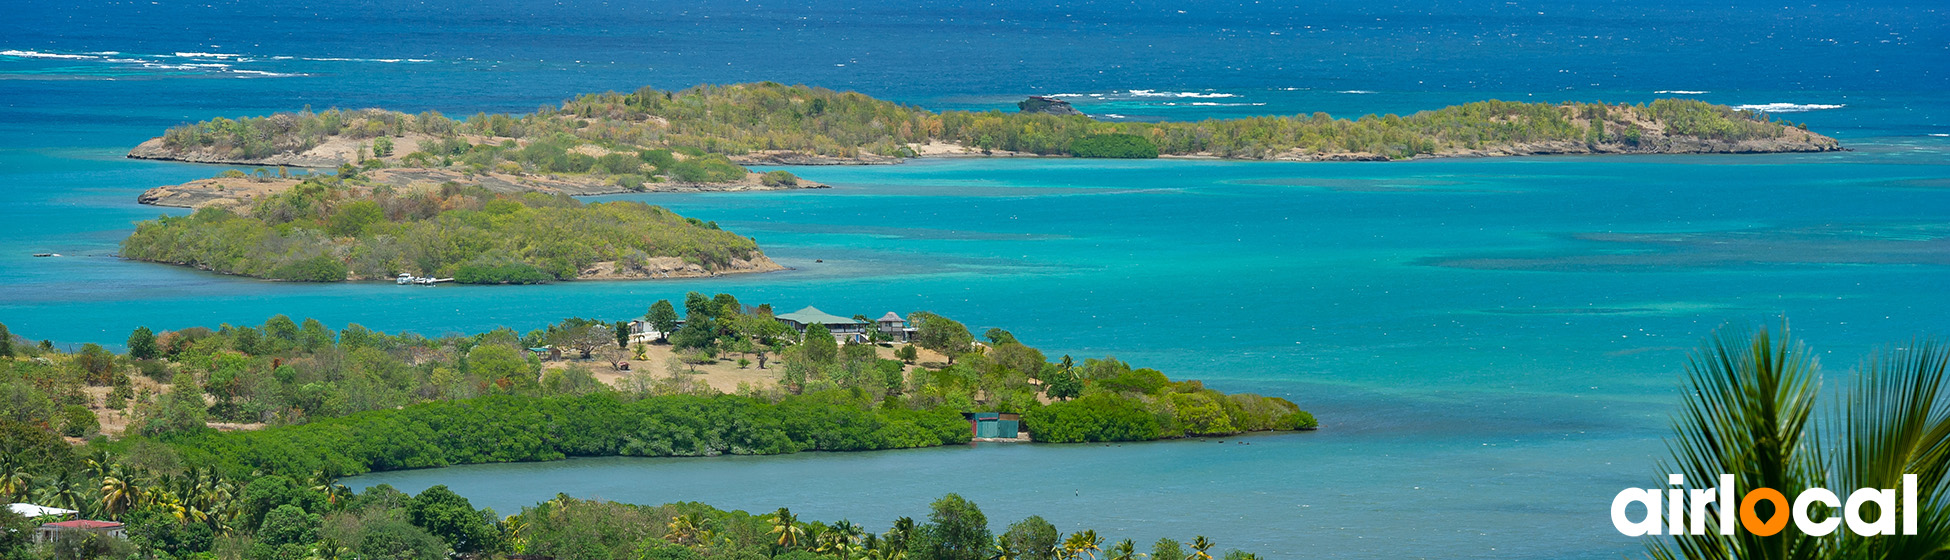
(1493, 346)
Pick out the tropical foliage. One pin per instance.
(741, 119)
(333, 228)
(1754, 412)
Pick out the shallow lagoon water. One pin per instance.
(1492, 346)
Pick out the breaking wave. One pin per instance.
(1786, 107)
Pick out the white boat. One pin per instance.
(405, 279)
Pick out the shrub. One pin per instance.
(779, 178)
(321, 268)
(78, 421)
(1128, 146)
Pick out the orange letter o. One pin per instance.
(1752, 522)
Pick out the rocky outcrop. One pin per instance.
(674, 267)
(1047, 105)
(788, 157)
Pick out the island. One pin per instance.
(232, 441)
(349, 226)
(768, 123)
(513, 174)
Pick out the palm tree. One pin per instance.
(1123, 550)
(1002, 550)
(62, 492)
(14, 479)
(1072, 547)
(1089, 542)
(118, 494)
(1896, 424)
(684, 529)
(845, 537)
(1201, 548)
(900, 534)
(1750, 413)
(329, 549)
(516, 527)
(786, 526)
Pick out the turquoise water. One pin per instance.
(1493, 346)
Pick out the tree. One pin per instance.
(725, 305)
(819, 346)
(1084, 542)
(1750, 413)
(1123, 550)
(622, 334)
(287, 524)
(697, 306)
(1032, 539)
(78, 422)
(1062, 385)
(6, 342)
(956, 530)
(998, 337)
(452, 518)
(1201, 548)
(941, 334)
(97, 364)
(495, 362)
(313, 336)
(697, 334)
(1167, 549)
(908, 353)
(142, 344)
(663, 317)
(900, 535)
(179, 410)
(582, 335)
(786, 526)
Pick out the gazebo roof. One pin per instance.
(892, 316)
(811, 315)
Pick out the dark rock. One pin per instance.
(1050, 105)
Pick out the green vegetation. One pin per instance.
(1753, 410)
(355, 400)
(352, 401)
(332, 228)
(1128, 146)
(736, 120)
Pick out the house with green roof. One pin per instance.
(843, 328)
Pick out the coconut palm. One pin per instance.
(900, 534)
(119, 495)
(1201, 548)
(1896, 422)
(1123, 550)
(1071, 547)
(845, 538)
(1088, 542)
(786, 526)
(329, 549)
(1750, 413)
(684, 529)
(14, 479)
(62, 492)
(516, 528)
(1002, 550)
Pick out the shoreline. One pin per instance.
(761, 264)
(239, 191)
(330, 156)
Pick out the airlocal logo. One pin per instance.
(1683, 506)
